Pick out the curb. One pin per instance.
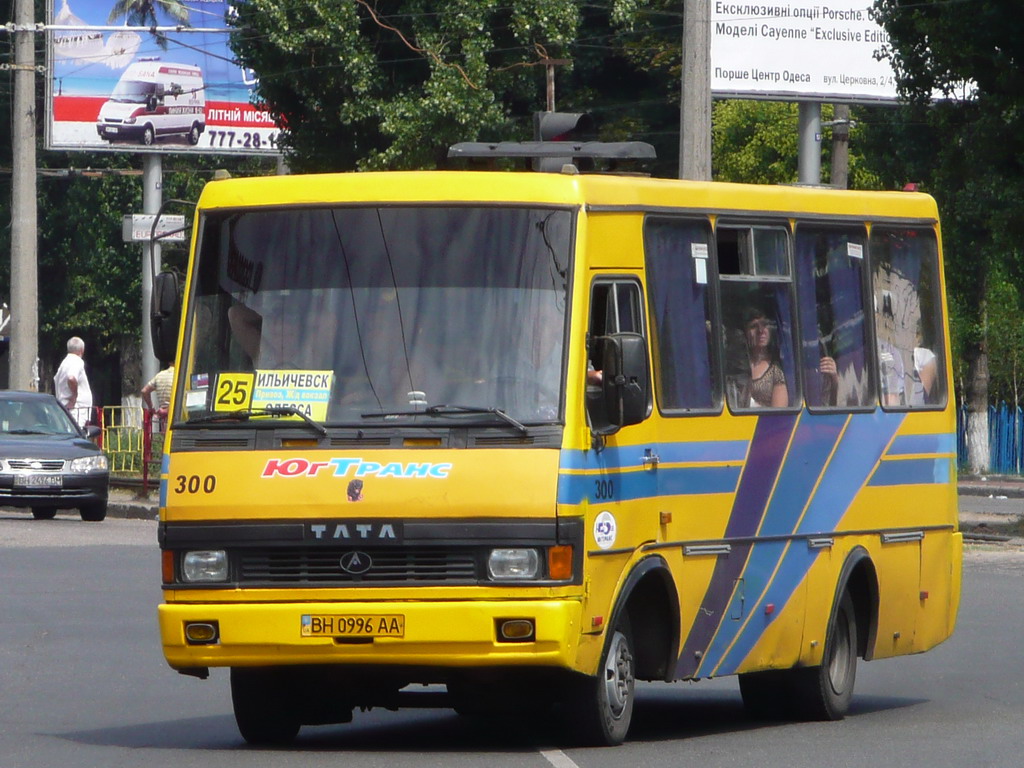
(133, 510)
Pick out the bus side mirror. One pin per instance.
(625, 388)
(165, 315)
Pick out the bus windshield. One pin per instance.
(359, 314)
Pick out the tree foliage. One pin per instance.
(968, 149)
(392, 84)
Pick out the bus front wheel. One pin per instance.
(603, 705)
(261, 701)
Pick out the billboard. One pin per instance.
(130, 89)
(799, 50)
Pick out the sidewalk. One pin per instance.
(1008, 486)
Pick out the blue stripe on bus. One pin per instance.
(911, 444)
(627, 457)
(629, 486)
(772, 435)
(165, 465)
(913, 472)
(856, 455)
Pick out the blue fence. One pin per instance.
(1005, 435)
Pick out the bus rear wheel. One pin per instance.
(261, 701)
(809, 693)
(602, 707)
(824, 692)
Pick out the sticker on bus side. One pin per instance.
(604, 530)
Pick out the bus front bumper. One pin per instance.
(435, 634)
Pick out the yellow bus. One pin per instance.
(513, 441)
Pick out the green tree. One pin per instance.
(143, 13)
(968, 149)
(392, 84)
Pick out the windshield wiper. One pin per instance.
(450, 409)
(271, 410)
(27, 432)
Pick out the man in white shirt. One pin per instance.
(71, 385)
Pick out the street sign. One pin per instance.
(139, 227)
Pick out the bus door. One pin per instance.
(621, 481)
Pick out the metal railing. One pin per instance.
(1005, 436)
(133, 439)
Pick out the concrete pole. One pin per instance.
(841, 146)
(152, 199)
(809, 157)
(695, 101)
(24, 360)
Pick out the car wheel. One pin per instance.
(193, 134)
(44, 513)
(148, 136)
(93, 513)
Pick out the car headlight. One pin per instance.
(205, 565)
(513, 564)
(129, 121)
(95, 463)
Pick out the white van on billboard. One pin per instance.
(155, 99)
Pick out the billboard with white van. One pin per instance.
(154, 99)
(173, 87)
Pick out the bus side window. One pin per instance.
(757, 317)
(833, 340)
(908, 325)
(678, 279)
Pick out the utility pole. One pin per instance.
(24, 370)
(549, 66)
(152, 200)
(809, 152)
(841, 146)
(695, 104)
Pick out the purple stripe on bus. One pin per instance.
(767, 452)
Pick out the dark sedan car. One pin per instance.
(46, 461)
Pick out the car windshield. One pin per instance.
(34, 417)
(132, 91)
(353, 314)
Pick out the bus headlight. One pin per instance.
(205, 565)
(513, 564)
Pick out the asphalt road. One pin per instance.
(83, 683)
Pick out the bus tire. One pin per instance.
(765, 695)
(603, 705)
(261, 702)
(824, 692)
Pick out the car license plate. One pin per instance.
(38, 481)
(348, 625)
(110, 129)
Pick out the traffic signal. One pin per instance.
(575, 127)
(562, 126)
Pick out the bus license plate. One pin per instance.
(346, 625)
(38, 481)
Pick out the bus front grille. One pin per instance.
(299, 566)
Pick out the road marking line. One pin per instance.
(558, 758)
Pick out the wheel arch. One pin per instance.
(859, 577)
(650, 600)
